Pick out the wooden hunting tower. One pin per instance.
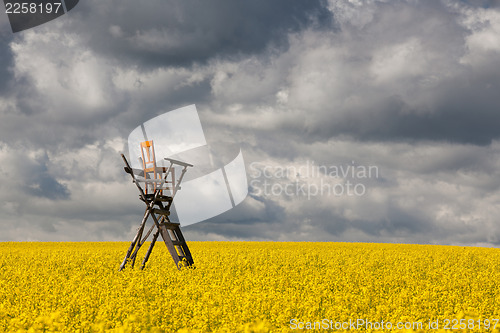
(157, 187)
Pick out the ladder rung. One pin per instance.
(164, 198)
(161, 212)
(170, 226)
(151, 180)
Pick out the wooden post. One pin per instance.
(150, 249)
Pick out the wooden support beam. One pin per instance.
(138, 246)
(136, 238)
(150, 249)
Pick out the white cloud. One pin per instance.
(62, 72)
(483, 42)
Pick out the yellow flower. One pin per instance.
(250, 287)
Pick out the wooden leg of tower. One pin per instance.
(137, 247)
(135, 240)
(139, 244)
(162, 228)
(129, 251)
(146, 257)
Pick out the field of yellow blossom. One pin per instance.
(250, 287)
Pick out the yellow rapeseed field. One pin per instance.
(250, 287)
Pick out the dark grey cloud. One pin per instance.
(170, 33)
(6, 60)
(406, 86)
(434, 77)
(41, 184)
(482, 3)
(466, 112)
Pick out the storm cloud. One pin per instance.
(409, 87)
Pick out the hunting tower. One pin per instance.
(157, 187)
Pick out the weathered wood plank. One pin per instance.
(150, 249)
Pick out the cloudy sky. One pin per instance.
(408, 87)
